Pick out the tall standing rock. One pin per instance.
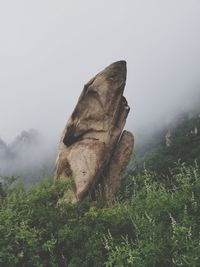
(92, 148)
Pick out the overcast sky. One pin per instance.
(50, 49)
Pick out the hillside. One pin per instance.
(148, 226)
(29, 156)
(150, 223)
(178, 141)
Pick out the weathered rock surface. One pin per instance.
(111, 180)
(92, 148)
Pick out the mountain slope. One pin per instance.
(179, 141)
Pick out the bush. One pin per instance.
(151, 224)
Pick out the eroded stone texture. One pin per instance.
(91, 136)
(112, 177)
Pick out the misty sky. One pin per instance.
(50, 49)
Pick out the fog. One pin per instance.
(50, 49)
(29, 157)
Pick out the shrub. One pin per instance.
(151, 224)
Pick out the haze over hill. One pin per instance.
(29, 156)
(50, 50)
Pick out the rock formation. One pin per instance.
(93, 148)
(168, 139)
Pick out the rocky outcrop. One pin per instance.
(93, 148)
(168, 139)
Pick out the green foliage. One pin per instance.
(165, 221)
(185, 146)
(151, 224)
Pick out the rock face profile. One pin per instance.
(94, 150)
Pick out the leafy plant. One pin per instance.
(150, 224)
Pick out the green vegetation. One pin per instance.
(150, 224)
(153, 222)
(156, 156)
